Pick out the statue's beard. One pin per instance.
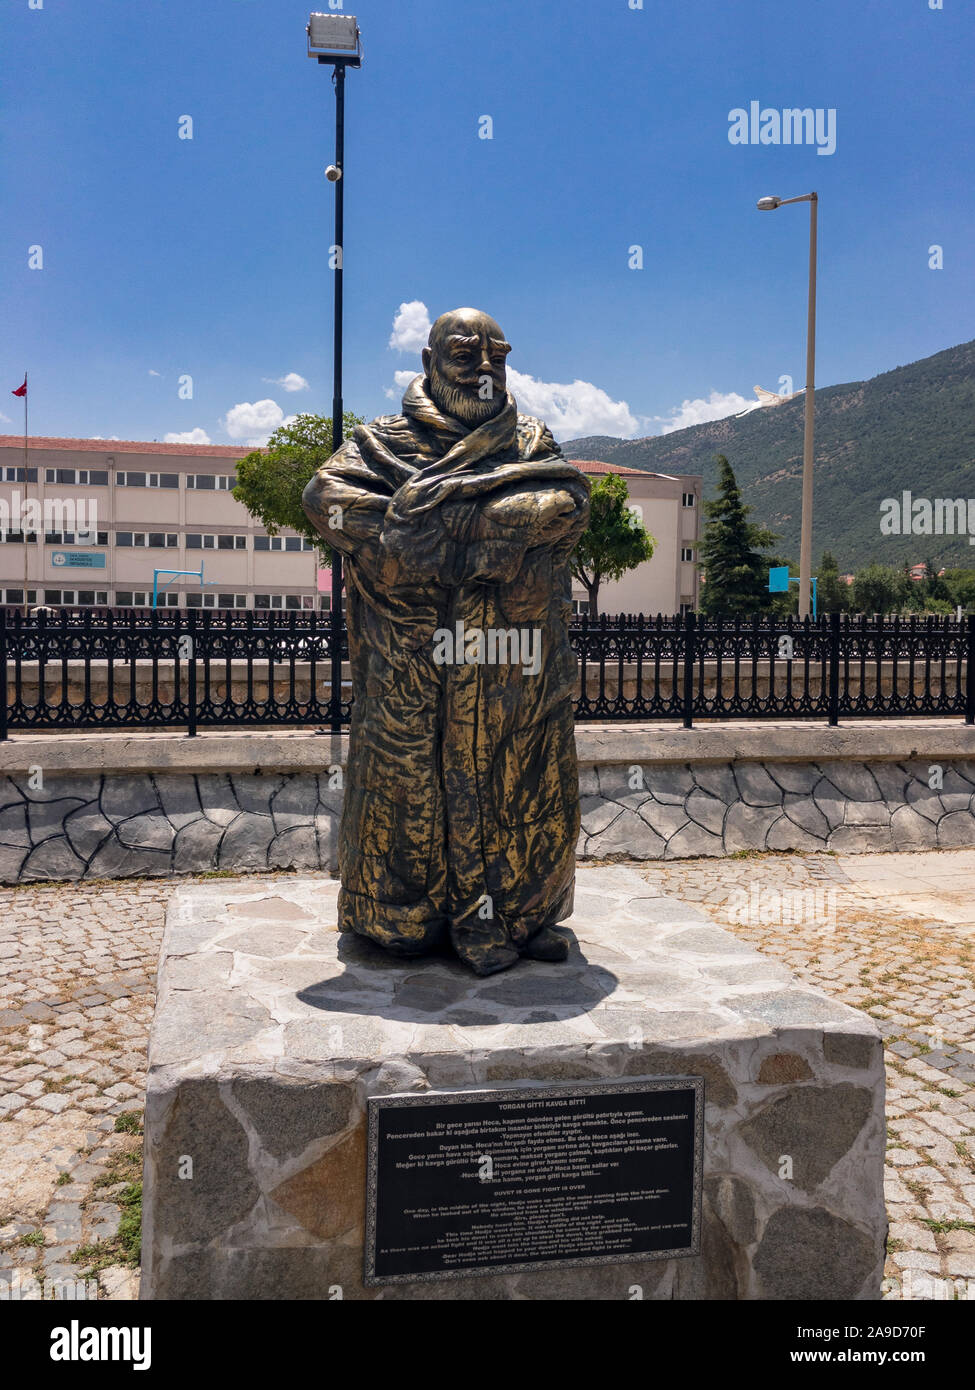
(462, 405)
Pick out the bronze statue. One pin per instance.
(456, 520)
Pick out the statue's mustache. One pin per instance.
(463, 404)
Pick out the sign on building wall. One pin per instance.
(77, 559)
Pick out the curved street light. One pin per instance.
(769, 204)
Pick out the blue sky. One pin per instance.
(164, 257)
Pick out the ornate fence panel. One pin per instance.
(187, 669)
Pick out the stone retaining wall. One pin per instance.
(160, 805)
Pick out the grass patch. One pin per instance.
(54, 1083)
(129, 1122)
(942, 1226)
(32, 1238)
(124, 1167)
(63, 1180)
(961, 1150)
(125, 1247)
(947, 1091)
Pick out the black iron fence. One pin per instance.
(188, 669)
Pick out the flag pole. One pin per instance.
(23, 529)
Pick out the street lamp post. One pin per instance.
(334, 39)
(805, 542)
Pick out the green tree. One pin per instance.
(736, 573)
(270, 482)
(881, 589)
(961, 586)
(615, 540)
(935, 587)
(832, 594)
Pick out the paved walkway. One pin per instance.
(893, 934)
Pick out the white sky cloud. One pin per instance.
(402, 380)
(252, 422)
(196, 436)
(574, 409)
(411, 327)
(154, 373)
(291, 381)
(699, 411)
(5, 419)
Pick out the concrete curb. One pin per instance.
(305, 750)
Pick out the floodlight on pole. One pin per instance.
(806, 582)
(333, 35)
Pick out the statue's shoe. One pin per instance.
(490, 961)
(547, 944)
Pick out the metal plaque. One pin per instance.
(479, 1182)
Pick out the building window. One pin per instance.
(196, 541)
(71, 598)
(686, 608)
(147, 540)
(580, 607)
(126, 598)
(76, 538)
(289, 602)
(16, 475)
(83, 477)
(688, 500)
(231, 600)
(686, 552)
(17, 596)
(201, 600)
(292, 543)
(127, 478)
(211, 482)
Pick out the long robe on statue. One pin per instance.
(462, 806)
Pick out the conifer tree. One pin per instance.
(736, 573)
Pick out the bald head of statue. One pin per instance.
(465, 365)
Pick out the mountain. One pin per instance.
(910, 429)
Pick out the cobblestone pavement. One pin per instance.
(890, 933)
(893, 934)
(77, 980)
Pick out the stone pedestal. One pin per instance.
(272, 1029)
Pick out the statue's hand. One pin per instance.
(529, 510)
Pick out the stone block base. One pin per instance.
(272, 1030)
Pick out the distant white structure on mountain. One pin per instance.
(768, 398)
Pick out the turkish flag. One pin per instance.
(21, 390)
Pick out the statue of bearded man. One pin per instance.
(456, 520)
